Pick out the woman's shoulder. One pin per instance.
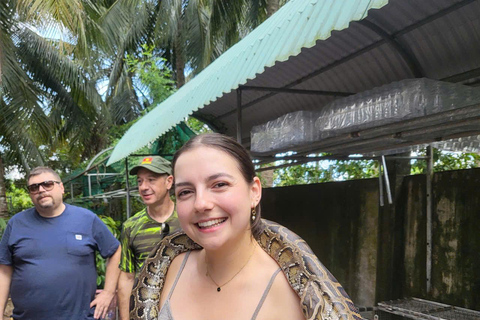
(172, 272)
(282, 294)
(177, 263)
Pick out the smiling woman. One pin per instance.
(231, 260)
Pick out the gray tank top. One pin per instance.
(166, 311)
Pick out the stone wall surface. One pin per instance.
(379, 253)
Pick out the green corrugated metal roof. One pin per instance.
(298, 24)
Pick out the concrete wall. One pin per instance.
(456, 239)
(379, 253)
(339, 222)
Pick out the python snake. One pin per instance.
(321, 295)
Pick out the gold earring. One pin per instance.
(254, 212)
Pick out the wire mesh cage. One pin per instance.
(414, 308)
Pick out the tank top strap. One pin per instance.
(265, 293)
(178, 275)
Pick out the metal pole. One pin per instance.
(71, 191)
(89, 186)
(387, 182)
(429, 216)
(380, 183)
(127, 186)
(239, 116)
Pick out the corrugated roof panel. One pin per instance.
(443, 36)
(245, 60)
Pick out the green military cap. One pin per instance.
(155, 164)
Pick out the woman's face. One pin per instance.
(213, 199)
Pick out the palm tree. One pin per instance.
(48, 87)
(19, 106)
(187, 33)
(47, 96)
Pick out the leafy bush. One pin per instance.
(114, 227)
(19, 198)
(3, 225)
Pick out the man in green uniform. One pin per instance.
(142, 232)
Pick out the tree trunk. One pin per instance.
(3, 195)
(1, 62)
(178, 52)
(3, 190)
(272, 7)
(24, 161)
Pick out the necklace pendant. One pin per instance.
(219, 289)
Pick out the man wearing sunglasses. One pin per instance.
(47, 256)
(142, 232)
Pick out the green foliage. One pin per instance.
(197, 126)
(116, 132)
(325, 171)
(62, 156)
(444, 161)
(153, 74)
(101, 270)
(356, 169)
(18, 198)
(115, 228)
(112, 225)
(3, 225)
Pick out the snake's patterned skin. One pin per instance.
(321, 296)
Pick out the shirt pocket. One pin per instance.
(78, 244)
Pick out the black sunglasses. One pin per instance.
(46, 185)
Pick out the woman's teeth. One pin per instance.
(211, 223)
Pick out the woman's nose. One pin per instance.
(203, 202)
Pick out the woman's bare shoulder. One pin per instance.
(282, 301)
(171, 275)
(282, 294)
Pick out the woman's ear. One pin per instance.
(256, 191)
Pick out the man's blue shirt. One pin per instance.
(53, 260)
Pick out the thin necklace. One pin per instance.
(219, 287)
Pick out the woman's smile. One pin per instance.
(212, 225)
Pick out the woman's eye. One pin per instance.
(220, 184)
(183, 193)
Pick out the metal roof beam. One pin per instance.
(212, 123)
(307, 77)
(433, 17)
(409, 58)
(304, 160)
(460, 77)
(297, 91)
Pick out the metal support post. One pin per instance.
(89, 186)
(387, 181)
(380, 183)
(127, 187)
(429, 199)
(239, 116)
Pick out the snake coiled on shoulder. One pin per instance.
(321, 295)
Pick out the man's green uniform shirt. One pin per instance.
(140, 235)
